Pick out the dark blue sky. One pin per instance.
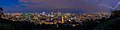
(8, 2)
(26, 6)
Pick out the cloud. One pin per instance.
(81, 4)
(92, 5)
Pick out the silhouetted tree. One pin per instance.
(1, 12)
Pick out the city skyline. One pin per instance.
(59, 14)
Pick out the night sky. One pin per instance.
(36, 6)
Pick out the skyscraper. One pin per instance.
(62, 19)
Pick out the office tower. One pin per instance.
(62, 19)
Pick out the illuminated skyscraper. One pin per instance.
(62, 19)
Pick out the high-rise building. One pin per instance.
(62, 19)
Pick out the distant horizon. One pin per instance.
(62, 10)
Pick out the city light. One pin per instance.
(53, 17)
